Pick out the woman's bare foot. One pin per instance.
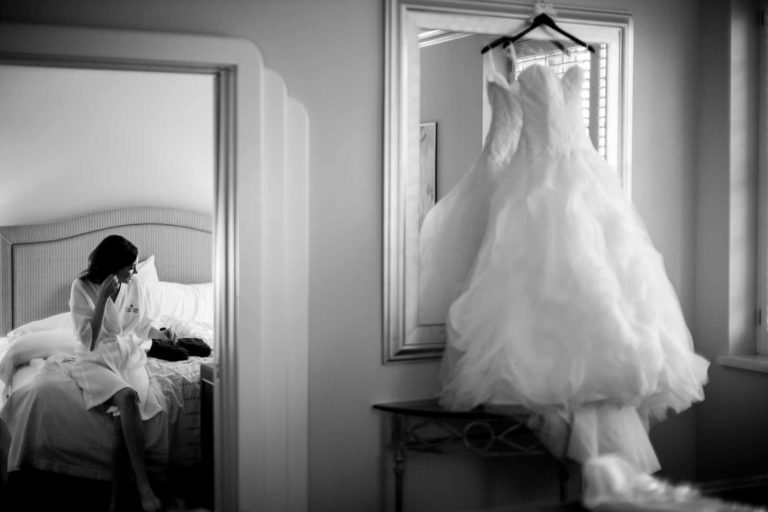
(149, 502)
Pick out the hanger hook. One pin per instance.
(544, 8)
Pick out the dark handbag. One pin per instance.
(167, 351)
(194, 346)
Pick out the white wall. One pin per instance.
(76, 140)
(330, 53)
(731, 440)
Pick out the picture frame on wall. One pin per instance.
(427, 168)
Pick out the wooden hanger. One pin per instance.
(539, 20)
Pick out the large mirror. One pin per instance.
(250, 427)
(437, 115)
(95, 121)
(101, 141)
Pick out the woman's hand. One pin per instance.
(109, 287)
(162, 334)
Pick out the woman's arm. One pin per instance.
(96, 320)
(109, 286)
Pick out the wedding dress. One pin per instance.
(567, 309)
(613, 485)
(453, 229)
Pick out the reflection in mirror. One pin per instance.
(79, 140)
(88, 152)
(436, 87)
(594, 88)
(452, 77)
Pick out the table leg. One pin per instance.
(398, 438)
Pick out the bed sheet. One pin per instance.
(51, 430)
(185, 433)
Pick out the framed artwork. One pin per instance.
(427, 168)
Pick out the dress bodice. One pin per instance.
(552, 110)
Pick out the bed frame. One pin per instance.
(39, 262)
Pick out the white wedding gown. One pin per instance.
(453, 229)
(567, 309)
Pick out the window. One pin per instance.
(594, 89)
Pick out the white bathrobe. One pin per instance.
(118, 361)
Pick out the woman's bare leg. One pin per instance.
(127, 402)
(121, 478)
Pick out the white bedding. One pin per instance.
(43, 409)
(51, 430)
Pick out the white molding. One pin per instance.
(439, 36)
(752, 362)
(296, 281)
(285, 275)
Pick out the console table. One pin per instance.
(423, 426)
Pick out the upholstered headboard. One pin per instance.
(39, 262)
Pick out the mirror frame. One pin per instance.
(84, 48)
(402, 338)
(261, 420)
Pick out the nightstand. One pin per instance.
(207, 385)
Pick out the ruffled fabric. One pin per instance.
(453, 229)
(613, 485)
(568, 310)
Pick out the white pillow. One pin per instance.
(186, 302)
(147, 271)
(36, 344)
(59, 321)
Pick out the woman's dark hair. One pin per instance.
(112, 254)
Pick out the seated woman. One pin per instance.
(108, 308)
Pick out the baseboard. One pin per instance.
(730, 484)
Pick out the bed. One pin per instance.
(44, 428)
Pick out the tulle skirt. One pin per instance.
(569, 306)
